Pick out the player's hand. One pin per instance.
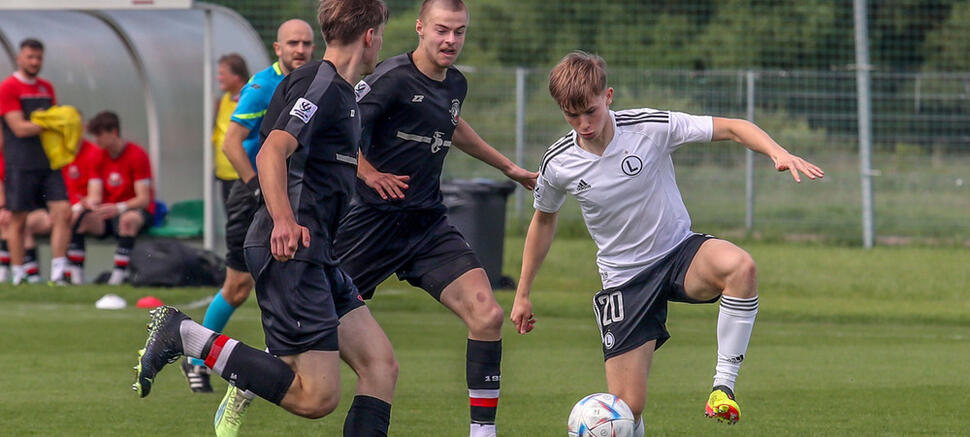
(286, 239)
(387, 185)
(795, 165)
(524, 177)
(106, 211)
(522, 315)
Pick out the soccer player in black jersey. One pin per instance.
(411, 109)
(307, 170)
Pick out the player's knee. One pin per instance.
(318, 408)
(60, 212)
(381, 370)
(237, 288)
(129, 225)
(488, 319)
(744, 271)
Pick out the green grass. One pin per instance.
(848, 342)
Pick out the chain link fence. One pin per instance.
(788, 66)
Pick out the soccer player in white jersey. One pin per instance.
(618, 166)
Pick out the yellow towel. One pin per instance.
(61, 134)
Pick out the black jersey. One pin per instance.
(317, 107)
(408, 121)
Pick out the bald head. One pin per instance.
(292, 26)
(294, 44)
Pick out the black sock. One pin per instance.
(30, 262)
(250, 369)
(483, 369)
(122, 254)
(368, 417)
(76, 249)
(4, 254)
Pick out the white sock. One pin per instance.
(639, 432)
(18, 274)
(735, 321)
(479, 430)
(58, 265)
(194, 338)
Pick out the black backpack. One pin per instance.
(169, 263)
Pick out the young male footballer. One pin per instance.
(618, 166)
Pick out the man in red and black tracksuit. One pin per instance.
(128, 204)
(30, 182)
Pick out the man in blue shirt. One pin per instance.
(294, 47)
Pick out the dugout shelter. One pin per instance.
(152, 62)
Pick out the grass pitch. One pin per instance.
(848, 342)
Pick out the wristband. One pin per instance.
(122, 207)
(77, 207)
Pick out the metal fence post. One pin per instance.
(208, 190)
(520, 97)
(749, 162)
(865, 118)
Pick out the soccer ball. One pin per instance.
(601, 415)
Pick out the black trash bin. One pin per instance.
(477, 208)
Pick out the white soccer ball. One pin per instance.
(601, 415)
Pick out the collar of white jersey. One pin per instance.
(609, 147)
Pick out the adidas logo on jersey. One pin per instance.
(582, 186)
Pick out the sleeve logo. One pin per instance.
(361, 90)
(455, 111)
(303, 109)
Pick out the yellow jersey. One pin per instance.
(224, 168)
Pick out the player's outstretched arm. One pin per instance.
(537, 243)
(387, 185)
(466, 139)
(271, 160)
(752, 137)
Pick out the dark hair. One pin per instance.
(343, 21)
(105, 121)
(236, 64)
(32, 44)
(452, 5)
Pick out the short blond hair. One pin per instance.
(576, 79)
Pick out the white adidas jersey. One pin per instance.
(628, 196)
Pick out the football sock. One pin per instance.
(735, 321)
(58, 268)
(17, 274)
(76, 249)
(480, 430)
(123, 253)
(368, 417)
(216, 318)
(30, 263)
(483, 373)
(639, 432)
(242, 366)
(4, 254)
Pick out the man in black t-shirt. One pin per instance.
(307, 169)
(30, 183)
(411, 109)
